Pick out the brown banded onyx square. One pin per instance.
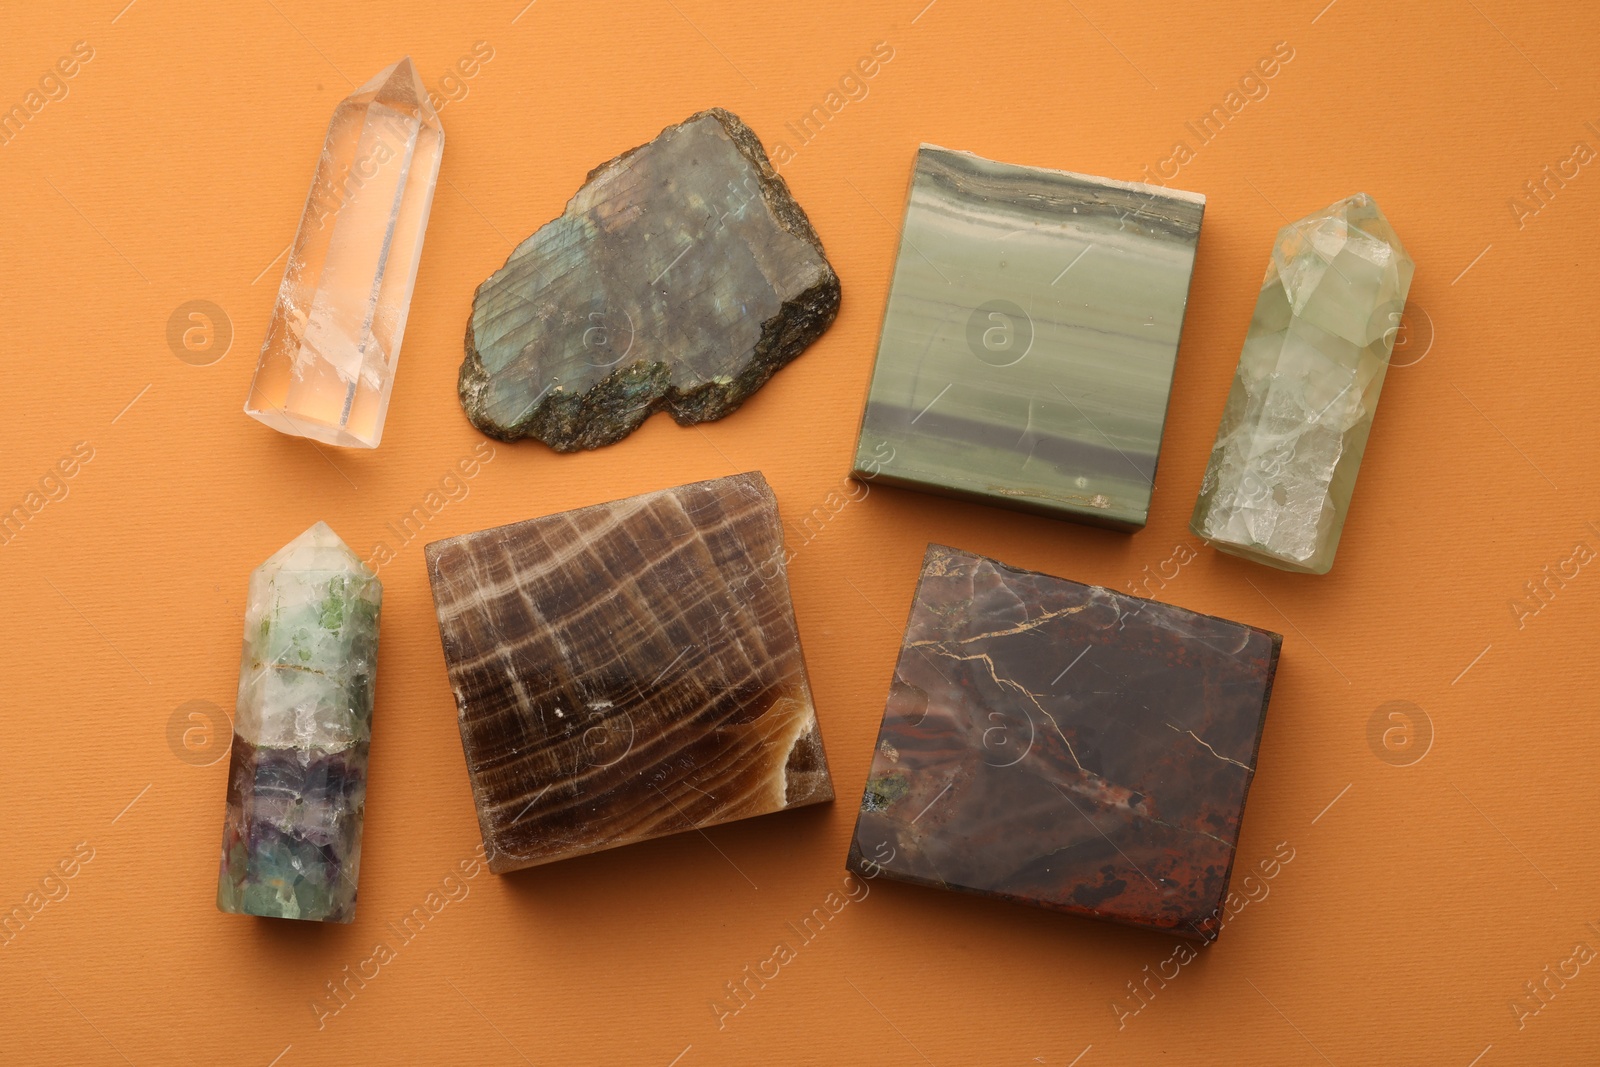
(1065, 746)
(627, 671)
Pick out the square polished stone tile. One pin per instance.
(627, 670)
(1030, 338)
(1065, 746)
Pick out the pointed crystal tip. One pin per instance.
(399, 87)
(317, 549)
(1346, 254)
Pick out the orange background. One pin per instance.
(1420, 898)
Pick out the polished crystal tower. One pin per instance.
(1284, 464)
(327, 365)
(297, 780)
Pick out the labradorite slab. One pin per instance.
(680, 278)
(1030, 338)
(1065, 746)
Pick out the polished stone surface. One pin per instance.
(680, 278)
(297, 775)
(1030, 338)
(327, 366)
(628, 670)
(1278, 487)
(1065, 746)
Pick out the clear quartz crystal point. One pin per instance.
(1284, 464)
(327, 365)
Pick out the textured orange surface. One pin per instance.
(1436, 901)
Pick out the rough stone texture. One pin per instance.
(1065, 746)
(297, 775)
(680, 278)
(1278, 487)
(627, 670)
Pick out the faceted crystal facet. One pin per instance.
(680, 278)
(1030, 339)
(1284, 465)
(327, 365)
(628, 670)
(297, 778)
(1065, 746)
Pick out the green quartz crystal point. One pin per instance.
(1284, 465)
(297, 775)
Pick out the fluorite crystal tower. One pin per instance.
(1284, 465)
(327, 366)
(297, 781)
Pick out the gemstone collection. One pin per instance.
(633, 669)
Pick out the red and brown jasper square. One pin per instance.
(1065, 746)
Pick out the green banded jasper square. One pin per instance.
(1030, 339)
